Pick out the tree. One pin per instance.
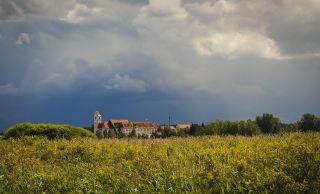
(183, 132)
(219, 127)
(133, 133)
(309, 122)
(111, 133)
(168, 132)
(120, 134)
(105, 133)
(268, 123)
(99, 134)
(288, 127)
(247, 128)
(194, 129)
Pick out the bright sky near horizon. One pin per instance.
(196, 60)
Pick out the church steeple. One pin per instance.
(96, 121)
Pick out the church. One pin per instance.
(126, 127)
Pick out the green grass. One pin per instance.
(288, 163)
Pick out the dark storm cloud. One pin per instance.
(43, 9)
(19, 9)
(7, 10)
(194, 60)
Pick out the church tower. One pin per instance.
(96, 121)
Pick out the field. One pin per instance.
(288, 163)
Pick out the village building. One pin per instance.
(183, 126)
(176, 127)
(171, 127)
(126, 127)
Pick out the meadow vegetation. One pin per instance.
(283, 163)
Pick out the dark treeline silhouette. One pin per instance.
(264, 124)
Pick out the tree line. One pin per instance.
(264, 124)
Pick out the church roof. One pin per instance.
(116, 123)
(120, 123)
(144, 124)
(103, 125)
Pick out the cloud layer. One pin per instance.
(198, 60)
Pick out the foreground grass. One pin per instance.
(283, 164)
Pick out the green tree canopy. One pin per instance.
(51, 131)
(219, 127)
(309, 122)
(268, 123)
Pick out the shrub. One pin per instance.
(51, 131)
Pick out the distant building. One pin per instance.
(126, 127)
(171, 127)
(96, 121)
(183, 126)
(176, 127)
(145, 128)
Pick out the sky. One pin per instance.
(195, 60)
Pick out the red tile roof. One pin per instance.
(103, 125)
(113, 123)
(144, 124)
